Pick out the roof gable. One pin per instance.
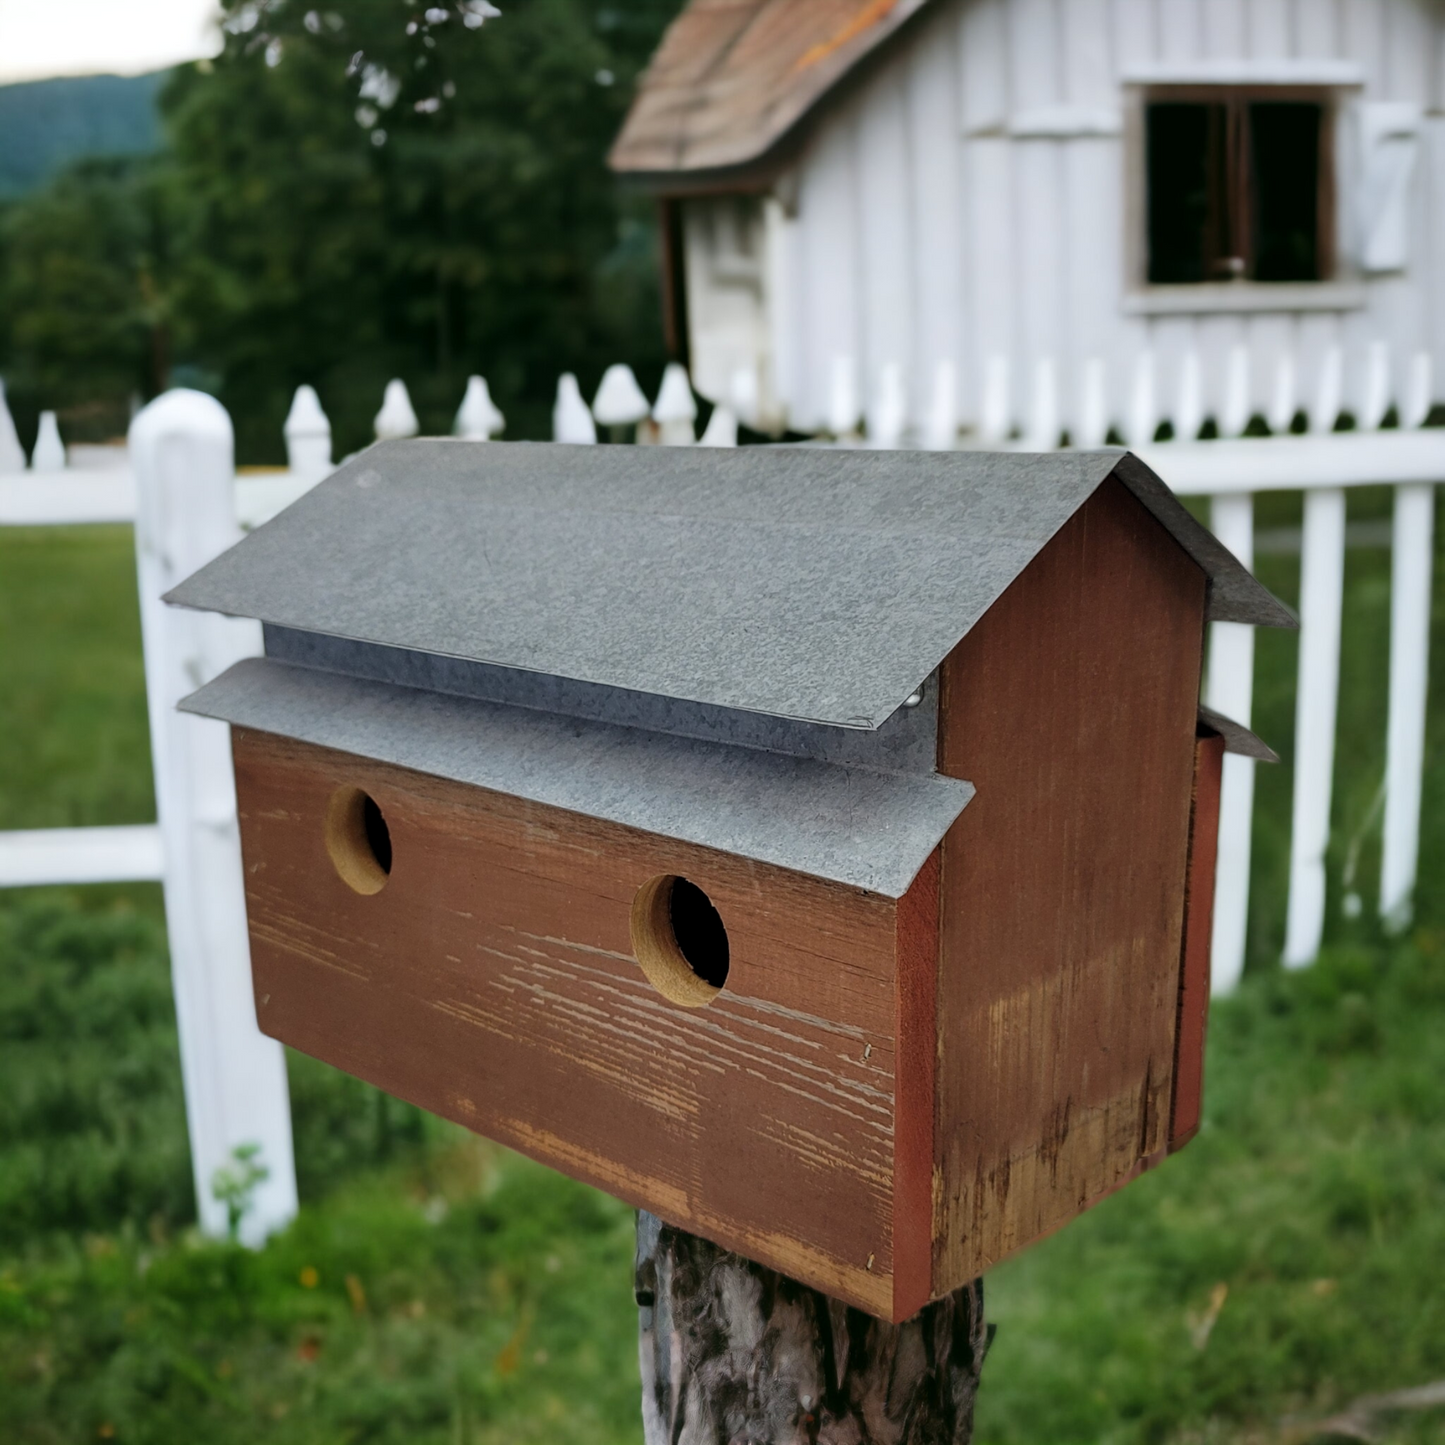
(817, 584)
(732, 77)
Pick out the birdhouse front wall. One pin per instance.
(491, 976)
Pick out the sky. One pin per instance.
(40, 38)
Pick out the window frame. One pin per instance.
(1331, 290)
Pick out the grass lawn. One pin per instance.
(436, 1289)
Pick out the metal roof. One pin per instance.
(732, 77)
(906, 743)
(1237, 738)
(819, 584)
(866, 828)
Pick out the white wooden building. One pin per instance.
(1050, 215)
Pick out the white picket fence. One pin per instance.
(179, 487)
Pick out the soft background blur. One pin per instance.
(236, 225)
(245, 224)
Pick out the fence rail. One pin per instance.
(180, 489)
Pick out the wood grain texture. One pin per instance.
(1185, 1107)
(916, 1052)
(491, 980)
(731, 1352)
(1071, 707)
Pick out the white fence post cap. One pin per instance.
(397, 417)
(49, 453)
(675, 401)
(180, 410)
(619, 400)
(306, 418)
(571, 421)
(721, 429)
(478, 419)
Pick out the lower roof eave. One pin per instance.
(866, 829)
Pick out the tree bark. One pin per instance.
(735, 1354)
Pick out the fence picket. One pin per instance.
(1410, 586)
(1231, 691)
(1322, 578)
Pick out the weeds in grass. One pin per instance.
(436, 1289)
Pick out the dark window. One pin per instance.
(1237, 187)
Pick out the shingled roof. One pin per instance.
(732, 77)
(816, 584)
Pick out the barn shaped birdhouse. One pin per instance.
(811, 846)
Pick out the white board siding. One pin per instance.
(1041, 226)
(1409, 52)
(931, 100)
(889, 268)
(1225, 28)
(1180, 30)
(988, 217)
(1088, 65)
(785, 327)
(939, 219)
(1268, 30)
(827, 219)
(1362, 40)
(1432, 175)
(1034, 62)
(1316, 29)
(983, 81)
(1135, 32)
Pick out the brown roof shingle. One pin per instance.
(732, 77)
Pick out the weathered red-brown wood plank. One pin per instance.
(1071, 707)
(491, 980)
(1188, 1098)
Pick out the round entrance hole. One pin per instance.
(679, 940)
(358, 840)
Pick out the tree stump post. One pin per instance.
(736, 1354)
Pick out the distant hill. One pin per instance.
(46, 124)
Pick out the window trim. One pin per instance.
(1336, 290)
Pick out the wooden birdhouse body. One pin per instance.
(916, 999)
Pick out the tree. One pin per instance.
(348, 195)
(86, 269)
(375, 193)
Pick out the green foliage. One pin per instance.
(1315, 1193)
(235, 1184)
(92, 1131)
(280, 239)
(72, 707)
(435, 1289)
(84, 290)
(473, 1298)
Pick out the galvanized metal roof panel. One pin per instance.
(906, 743)
(810, 583)
(871, 830)
(1237, 738)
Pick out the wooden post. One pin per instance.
(732, 1352)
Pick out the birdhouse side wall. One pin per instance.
(491, 979)
(1188, 1098)
(1071, 706)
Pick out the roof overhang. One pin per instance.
(732, 82)
(857, 826)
